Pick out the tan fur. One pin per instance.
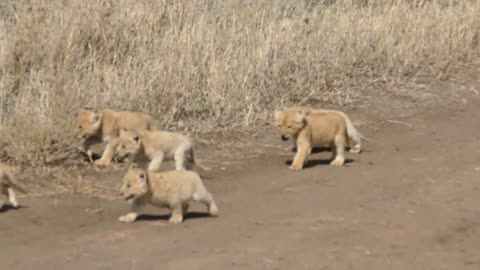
(7, 185)
(313, 130)
(171, 189)
(94, 127)
(156, 147)
(354, 137)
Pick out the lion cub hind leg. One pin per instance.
(182, 160)
(207, 199)
(177, 213)
(338, 151)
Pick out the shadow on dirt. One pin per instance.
(315, 162)
(8, 207)
(189, 215)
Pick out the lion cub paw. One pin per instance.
(128, 218)
(213, 210)
(175, 219)
(355, 150)
(296, 167)
(102, 162)
(338, 162)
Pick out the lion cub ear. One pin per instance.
(136, 139)
(300, 117)
(278, 114)
(97, 116)
(142, 178)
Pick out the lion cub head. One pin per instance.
(87, 123)
(290, 123)
(135, 184)
(130, 144)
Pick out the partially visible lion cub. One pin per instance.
(94, 127)
(172, 189)
(7, 185)
(157, 146)
(313, 130)
(354, 137)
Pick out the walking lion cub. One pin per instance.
(157, 146)
(172, 189)
(7, 185)
(313, 130)
(354, 136)
(94, 127)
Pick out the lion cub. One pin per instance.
(172, 189)
(354, 136)
(313, 130)
(156, 146)
(7, 185)
(94, 127)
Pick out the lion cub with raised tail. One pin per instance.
(7, 185)
(313, 130)
(172, 189)
(92, 127)
(354, 136)
(157, 146)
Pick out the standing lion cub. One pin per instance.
(7, 185)
(94, 127)
(157, 146)
(172, 189)
(313, 130)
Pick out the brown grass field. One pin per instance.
(203, 66)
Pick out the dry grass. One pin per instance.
(204, 65)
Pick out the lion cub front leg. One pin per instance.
(177, 213)
(108, 154)
(135, 209)
(156, 162)
(303, 150)
(12, 198)
(85, 147)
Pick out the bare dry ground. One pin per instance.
(409, 201)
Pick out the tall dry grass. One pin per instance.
(203, 65)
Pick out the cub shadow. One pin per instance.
(8, 207)
(189, 215)
(316, 150)
(315, 162)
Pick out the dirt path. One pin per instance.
(409, 202)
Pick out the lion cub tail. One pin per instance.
(354, 136)
(193, 161)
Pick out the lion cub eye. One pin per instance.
(128, 185)
(123, 146)
(289, 127)
(79, 127)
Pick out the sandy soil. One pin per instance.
(409, 201)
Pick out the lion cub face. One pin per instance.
(135, 184)
(289, 123)
(129, 144)
(87, 123)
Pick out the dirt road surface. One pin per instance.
(409, 201)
